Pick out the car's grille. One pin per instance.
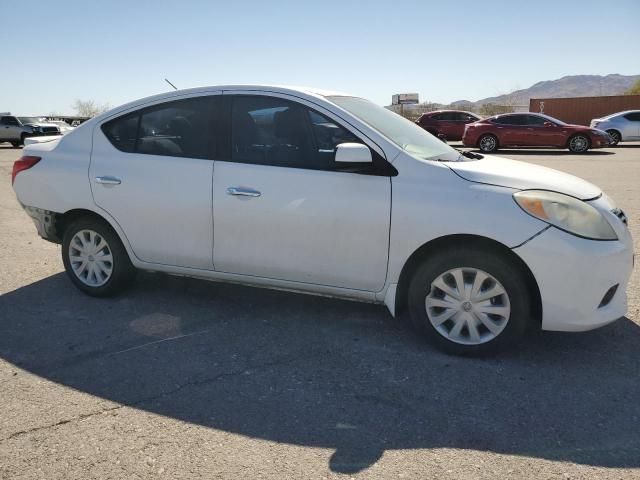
(621, 215)
(50, 130)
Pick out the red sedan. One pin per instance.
(449, 123)
(532, 130)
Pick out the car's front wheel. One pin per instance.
(469, 301)
(488, 143)
(95, 259)
(579, 144)
(615, 135)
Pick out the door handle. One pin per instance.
(107, 180)
(244, 192)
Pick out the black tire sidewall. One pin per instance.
(500, 268)
(123, 271)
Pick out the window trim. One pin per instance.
(213, 125)
(380, 166)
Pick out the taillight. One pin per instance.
(25, 163)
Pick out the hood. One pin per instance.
(523, 176)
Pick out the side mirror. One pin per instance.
(548, 124)
(353, 153)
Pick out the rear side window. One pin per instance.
(178, 129)
(510, 120)
(634, 116)
(122, 132)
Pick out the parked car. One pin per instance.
(15, 129)
(329, 194)
(62, 125)
(621, 126)
(447, 124)
(532, 130)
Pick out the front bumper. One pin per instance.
(574, 275)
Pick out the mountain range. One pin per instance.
(569, 86)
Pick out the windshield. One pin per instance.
(404, 133)
(26, 120)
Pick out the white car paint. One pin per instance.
(328, 233)
(626, 123)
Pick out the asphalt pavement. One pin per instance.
(184, 378)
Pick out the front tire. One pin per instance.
(469, 302)
(95, 259)
(579, 144)
(615, 135)
(488, 143)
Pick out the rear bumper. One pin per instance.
(45, 222)
(574, 275)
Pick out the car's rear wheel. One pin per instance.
(469, 302)
(488, 143)
(579, 144)
(615, 135)
(95, 259)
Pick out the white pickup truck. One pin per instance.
(16, 129)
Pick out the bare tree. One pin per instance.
(89, 108)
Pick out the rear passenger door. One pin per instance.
(282, 208)
(151, 170)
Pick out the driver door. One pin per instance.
(281, 209)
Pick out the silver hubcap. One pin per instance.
(488, 143)
(468, 306)
(614, 135)
(90, 258)
(579, 144)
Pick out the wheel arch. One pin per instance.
(63, 220)
(484, 134)
(615, 130)
(434, 246)
(583, 134)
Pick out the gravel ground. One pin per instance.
(181, 378)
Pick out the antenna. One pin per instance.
(174, 87)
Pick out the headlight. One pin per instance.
(35, 129)
(566, 213)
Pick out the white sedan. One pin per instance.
(327, 193)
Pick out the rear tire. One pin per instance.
(95, 259)
(579, 144)
(454, 318)
(616, 137)
(488, 143)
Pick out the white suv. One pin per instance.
(329, 194)
(622, 126)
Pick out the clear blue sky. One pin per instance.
(115, 51)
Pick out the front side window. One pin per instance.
(534, 120)
(633, 117)
(9, 121)
(277, 132)
(178, 129)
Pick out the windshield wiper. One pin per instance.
(472, 155)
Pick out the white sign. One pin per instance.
(404, 98)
